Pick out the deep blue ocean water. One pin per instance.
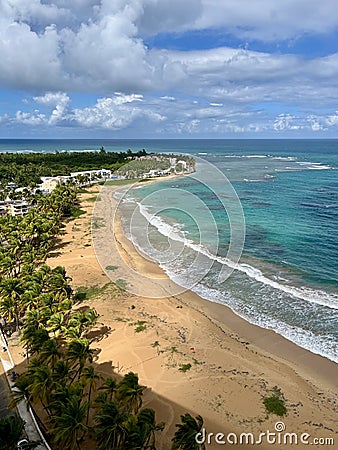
(287, 277)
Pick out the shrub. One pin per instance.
(185, 367)
(275, 404)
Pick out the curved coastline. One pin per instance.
(309, 365)
(234, 363)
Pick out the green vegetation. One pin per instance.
(76, 212)
(185, 367)
(184, 438)
(97, 222)
(112, 267)
(60, 377)
(275, 404)
(140, 325)
(79, 405)
(121, 284)
(27, 169)
(136, 168)
(86, 293)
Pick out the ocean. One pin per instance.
(287, 276)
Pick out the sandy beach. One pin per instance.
(192, 354)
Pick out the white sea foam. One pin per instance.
(321, 345)
(314, 165)
(310, 295)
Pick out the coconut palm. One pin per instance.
(11, 290)
(11, 429)
(42, 384)
(90, 378)
(185, 435)
(61, 372)
(147, 427)
(129, 393)
(49, 353)
(109, 387)
(21, 390)
(78, 353)
(68, 427)
(110, 429)
(33, 339)
(56, 323)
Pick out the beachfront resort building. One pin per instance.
(93, 174)
(14, 207)
(82, 178)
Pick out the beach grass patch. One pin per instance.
(122, 284)
(121, 319)
(185, 367)
(112, 267)
(92, 199)
(86, 293)
(97, 222)
(198, 363)
(140, 325)
(275, 404)
(76, 212)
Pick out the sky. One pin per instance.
(168, 69)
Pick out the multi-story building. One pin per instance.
(18, 207)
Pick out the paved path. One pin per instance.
(4, 393)
(31, 428)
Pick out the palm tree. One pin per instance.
(68, 427)
(109, 387)
(11, 290)
(81, 322)
(55, 323)
(33, 339)
(90, 377)
(78, 353)
(21, 390)
(42, 384)
(49, 353)
(129, 393)
(110, 430)
(185, 435)
(147, 428)
(11, 428)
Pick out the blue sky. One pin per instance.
(167, 68)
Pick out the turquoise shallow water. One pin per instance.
(287, 276)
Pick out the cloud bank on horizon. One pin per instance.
(167, 68)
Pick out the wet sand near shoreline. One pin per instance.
(233, 364)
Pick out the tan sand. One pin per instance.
(233, 363)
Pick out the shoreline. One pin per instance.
(233, 364)
(308, 364)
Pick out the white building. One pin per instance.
(93, 174)
(18, 207)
